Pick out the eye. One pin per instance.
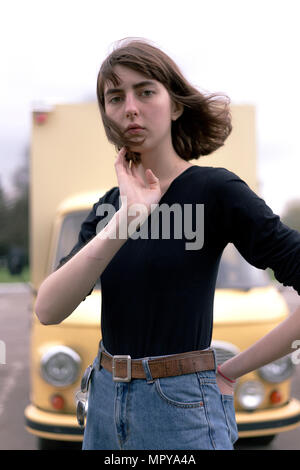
(147, 92)
(115, 99)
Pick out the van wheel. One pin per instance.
(259, 440)
(50, 444)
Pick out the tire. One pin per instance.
(49, 444)
(259, 441)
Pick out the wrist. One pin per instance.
(116, 228)
(128, 222)
(226, 377)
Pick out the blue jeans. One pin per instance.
(184, 412)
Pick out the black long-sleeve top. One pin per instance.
(157, 295)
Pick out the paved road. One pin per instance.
(15, 310)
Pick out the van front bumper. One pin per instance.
(49, 425)
(270, 421)
(64, 427)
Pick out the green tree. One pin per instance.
(17, 226)
(3, 222)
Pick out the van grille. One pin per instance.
(223, 355)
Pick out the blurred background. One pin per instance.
(51, 52)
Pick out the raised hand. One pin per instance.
(137, 187)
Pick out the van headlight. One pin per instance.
(60, 366)
(250, 394)
(277, 371)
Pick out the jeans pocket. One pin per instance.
(229, 411)
(181, 391)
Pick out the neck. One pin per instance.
(165, 163)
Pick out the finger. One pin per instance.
(120, 155)
(121, 162)
(136, 172)
(152, 180)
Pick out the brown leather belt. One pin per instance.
(123, 368)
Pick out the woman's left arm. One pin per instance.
(265, 242)
(277, 343)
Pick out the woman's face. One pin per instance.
(142, 102)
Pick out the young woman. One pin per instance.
(165, 392)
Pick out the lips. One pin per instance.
(134, 128)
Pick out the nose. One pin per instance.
(131, 108)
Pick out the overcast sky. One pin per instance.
(248, 49)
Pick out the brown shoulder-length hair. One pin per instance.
(205, 122)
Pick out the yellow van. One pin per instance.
(247, 304)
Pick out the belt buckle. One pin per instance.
(121, 379)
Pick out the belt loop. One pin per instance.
(147, 370)
(101, 348)
(215, 359)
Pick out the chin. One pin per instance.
(138, 147)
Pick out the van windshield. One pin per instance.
(234, 271)
(68, 236)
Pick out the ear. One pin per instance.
(176, 110)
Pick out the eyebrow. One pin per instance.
(110, 91)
